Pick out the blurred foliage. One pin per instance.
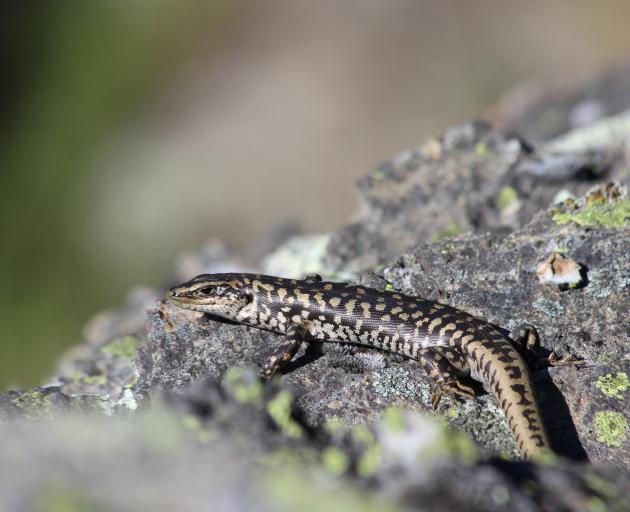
(73, 73)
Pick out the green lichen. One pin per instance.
(606, 215)
(77, 376)
(285, 458)
(596, 504)
(333, 425)
(244, 391)
(370, 461)
(481, 149)
(610, 428)
(293, 490)
(394, 419)
(35, 404)
(507, 196)
(390, 287)
(613, 385)
(206, 436)
(61, 498)
(203, 435)
(279, 408)
(452, 443)
(545, 458)
(452, 413)
(451, 229)
(191, 422)
(125, 347)
(363, 435)
(600, 486)
(94, 380)
(378, 175)
(334, 460)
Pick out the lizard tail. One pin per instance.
(507, 378)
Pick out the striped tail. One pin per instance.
(496, 362)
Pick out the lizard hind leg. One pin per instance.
(526, 337)
(458, 387)
(448, 377)
(528, 340)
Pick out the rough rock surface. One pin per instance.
(472, 179)
(472, 219)
(490, 276)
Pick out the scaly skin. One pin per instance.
(450, 344)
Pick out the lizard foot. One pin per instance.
(459, 389)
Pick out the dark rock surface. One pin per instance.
(472, 219)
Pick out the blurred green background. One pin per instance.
(131, 131)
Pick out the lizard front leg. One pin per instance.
(284, 353)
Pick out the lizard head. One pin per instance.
(218, 294)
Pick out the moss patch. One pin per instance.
(613, 385)
(610, 428)
(615, 215)
(125, 347)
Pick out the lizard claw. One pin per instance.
(567, 360)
